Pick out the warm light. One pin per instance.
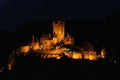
(36, 46)
(9, 66)
(92, 55)
(86, 56)
(25, 49)
(58, 57)
(77, 56)
(103, 53)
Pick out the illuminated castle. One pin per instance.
(47, 46)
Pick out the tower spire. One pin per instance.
(33, 38)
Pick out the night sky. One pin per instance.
(14, 13)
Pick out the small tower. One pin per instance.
(103, 53)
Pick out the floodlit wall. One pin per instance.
(25, 49)
(77, 55)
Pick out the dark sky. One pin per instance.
(14, 13)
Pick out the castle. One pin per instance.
(47, 45)
(53, 46)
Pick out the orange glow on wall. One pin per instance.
(77, 56)
(35, 47)
(25, 49)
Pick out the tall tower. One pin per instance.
(58, 30)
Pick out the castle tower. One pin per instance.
(58, 30)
